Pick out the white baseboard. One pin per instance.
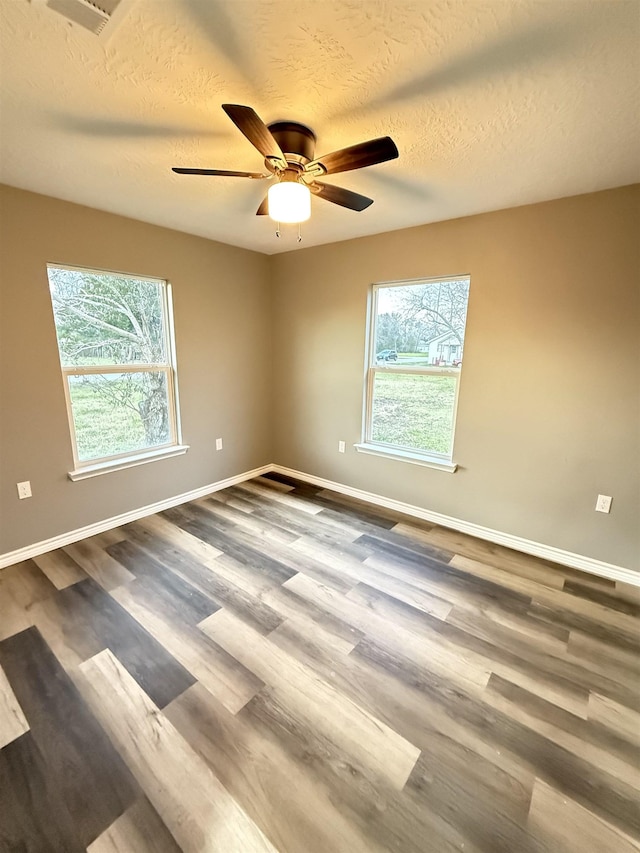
(536, 549)
(117, 520)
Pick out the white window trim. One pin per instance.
(84, 469)
(391, 452)
(128, 461)
(444, 461)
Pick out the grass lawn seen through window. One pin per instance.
(414, 411)
(103, 425)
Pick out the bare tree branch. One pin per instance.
(102, 324)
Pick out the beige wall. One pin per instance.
(221, 303)
(548, 413)
(549, 399)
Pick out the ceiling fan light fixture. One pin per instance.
(289, 201)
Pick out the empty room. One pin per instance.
(319, 426)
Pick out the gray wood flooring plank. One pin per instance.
(570, 828)
(138, 830)
(282, 668)
(199, 812)
(33, 814)
(206, 578)
(267, 779)
(92, 621)
(98, 564)
(385, 817)
(622, 721)
(241, 547)
(367, 740)
(177, 597)
(222, 674)
(80, 762)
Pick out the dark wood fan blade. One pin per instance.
(249, 122)
(263, 210)
(357, 156)
(338, 195)
(223, 172)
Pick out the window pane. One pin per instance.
(414, 411)
(119, 413)
(421, 324)
(104, 318)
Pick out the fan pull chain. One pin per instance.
(279, 233)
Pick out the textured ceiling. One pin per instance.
(492, 104)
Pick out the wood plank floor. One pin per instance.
(282, 669)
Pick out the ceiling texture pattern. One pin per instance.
(492, 104)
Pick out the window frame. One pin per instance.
(427, 458)
(84, 468)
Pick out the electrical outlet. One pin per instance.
(24, 490)
(218, 444)
(341, 447)
(603, 504)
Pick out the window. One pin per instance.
(414, 361)
(116, 347)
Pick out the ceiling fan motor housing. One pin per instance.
(297, 142)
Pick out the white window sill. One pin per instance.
(127, 462)
(408, 456)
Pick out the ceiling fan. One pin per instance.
(288, 149)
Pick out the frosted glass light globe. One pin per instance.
(289, 202)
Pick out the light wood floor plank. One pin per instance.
(291, 606)
(265, 778)
(60, 568)
(462, 669)
(290, 501)
(623, 721)
(416, 704)
(208, 580)
(248, 522)
(273, 484)
(302, 629)
(599, 613)
(198, 811)
(396, 581)
(522, 711)
(108, 537)
(508, 579)
(339, 499)
(594, 652)
(223, 675)
(369, 741)
(237, 500)
(450, 584)
(138, 830)
(22, 586)
(202, 551)
(513, 562)
(13, 722)
(570, 827)
(628, 592)
(99, 565)
(510, 630)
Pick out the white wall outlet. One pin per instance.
(24, 490)
(341, 447)
(218, 444)
(603, 504)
